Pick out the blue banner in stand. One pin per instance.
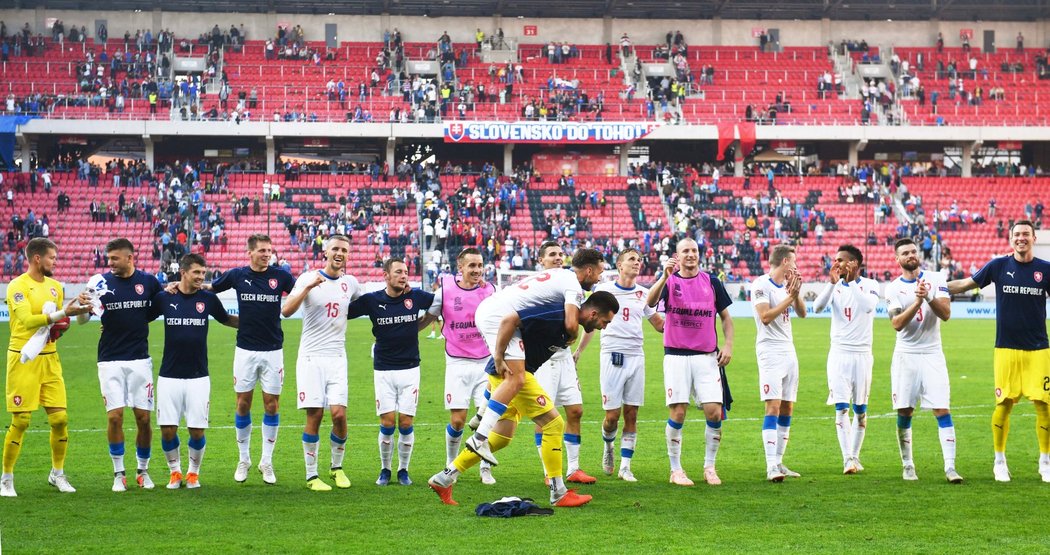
(595, 132)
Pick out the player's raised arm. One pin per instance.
(794, 291)
(658, 288)
(940, 302)
(825, 296)
(298, 295)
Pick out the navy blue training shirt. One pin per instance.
(1020, 301)
(186, 331)
(258, 304)
(393, 325)
(126, 316)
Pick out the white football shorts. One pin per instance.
(178, 399)
(465, 381)
(397, 391)
(127, 383)
(251, 367)
(321, 381)
(920, 380)
(693, 376)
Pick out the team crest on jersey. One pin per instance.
(1038, 277)
(638, 295)
(541, 400)
(200, 308)
(408, 304)
(54, 293)
(344, 286)
(17, 400)
(19, 297)
(139, 288)
(273, 283)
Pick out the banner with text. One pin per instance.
(546, 132)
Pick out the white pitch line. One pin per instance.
(731, 419)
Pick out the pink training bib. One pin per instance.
(690, 314)
(458, 306)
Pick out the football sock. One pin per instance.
(1042, 426)
(142, 455)
(243, 425)
(404, 447)
(466, 459)
(673, 434)
(492, 415)
(904, 438)
(627, 443)
(116, 452)
(572, 453)
(712, 440)
(271, 424)
(386, 446)
(1001, 426)
(1000, 457)
(551, 452)
(609, 437)
(860, 425)
(196, 454)
(59, 422)
(310, 453)
(843, 429)
(783, 436)
(769, 440)
(171, 453)
(946, 433)
(338, 450)
(453, 439)
(14, 439)
(557, 488)
(539, 448)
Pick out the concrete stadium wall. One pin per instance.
(581, 31)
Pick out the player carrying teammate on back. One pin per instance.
(559, 379)
(692, 358)
(852, 300)
(622, 360)
(320, 368)
(259, 356)
(125, 369)
(456, 301)
(774, 296)
(1022, 353)
(918, 301)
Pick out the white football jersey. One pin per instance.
(778, 332)
(556, 286)
(324, 313)
(923, 332)
(625, 333)
(852, 315)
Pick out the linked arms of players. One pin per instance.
(957, 286)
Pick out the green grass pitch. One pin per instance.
(823, 511)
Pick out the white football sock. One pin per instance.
(386, 447)
(783, 436)
(674, 445)
(947, 437)
(338, 446)
(452, 445)
(404, 449)
(904, 442)
(174, 460)
(627, 443)
(269, 439)
(860, 425)
(310, 457)
(118, 463)
(244, 437)
(712, 440)
(557, 488)
(196, 456)
(572, 453)
(769, 444)
(844, 430)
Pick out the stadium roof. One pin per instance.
(959, 10)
